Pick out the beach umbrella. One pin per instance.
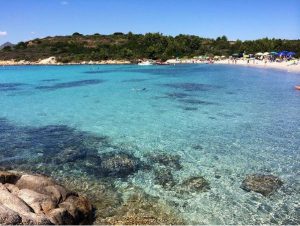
(289, 54)
(259, 54)
(266, 54)
(235, 55)
(283, 53)
(273, 53)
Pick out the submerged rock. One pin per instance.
(36, 199)
(70, 155)
(164, 177)
(194, 184)
(124, 206)
(167, 160)
(197, 147)
(119, 164)
(263, 184)
(143, 209)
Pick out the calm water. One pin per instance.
(224, 122)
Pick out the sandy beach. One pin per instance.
(286, 66)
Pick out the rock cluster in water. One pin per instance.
(165, 165)
(35, 199)
(61, 150)
(263, 184)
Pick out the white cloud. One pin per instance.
(64, 3)
(33, 32)
(3, 33)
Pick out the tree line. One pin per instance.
(78, 47)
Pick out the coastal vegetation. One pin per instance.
(78, 47)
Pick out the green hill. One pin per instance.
(78, 47)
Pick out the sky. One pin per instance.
(22, 20)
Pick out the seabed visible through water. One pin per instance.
(158, 144)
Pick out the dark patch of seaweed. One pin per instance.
(196, 102)
(177, 95)
(189, 108)
(50, 80)
(188, 87)
(171, 70)
(10, 86)
(135, 80)
(101, 71)
(72, 84)
(57, 147)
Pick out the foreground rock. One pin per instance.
(263, 184)
(36, 199)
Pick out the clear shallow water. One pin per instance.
(224, 122)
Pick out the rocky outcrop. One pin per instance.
(50, 60)
(263, 184)
(36, 199)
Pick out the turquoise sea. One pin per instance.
(220, 122)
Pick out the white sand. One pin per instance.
(286, 66)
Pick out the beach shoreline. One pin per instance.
(283, 66)
(51, 61)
